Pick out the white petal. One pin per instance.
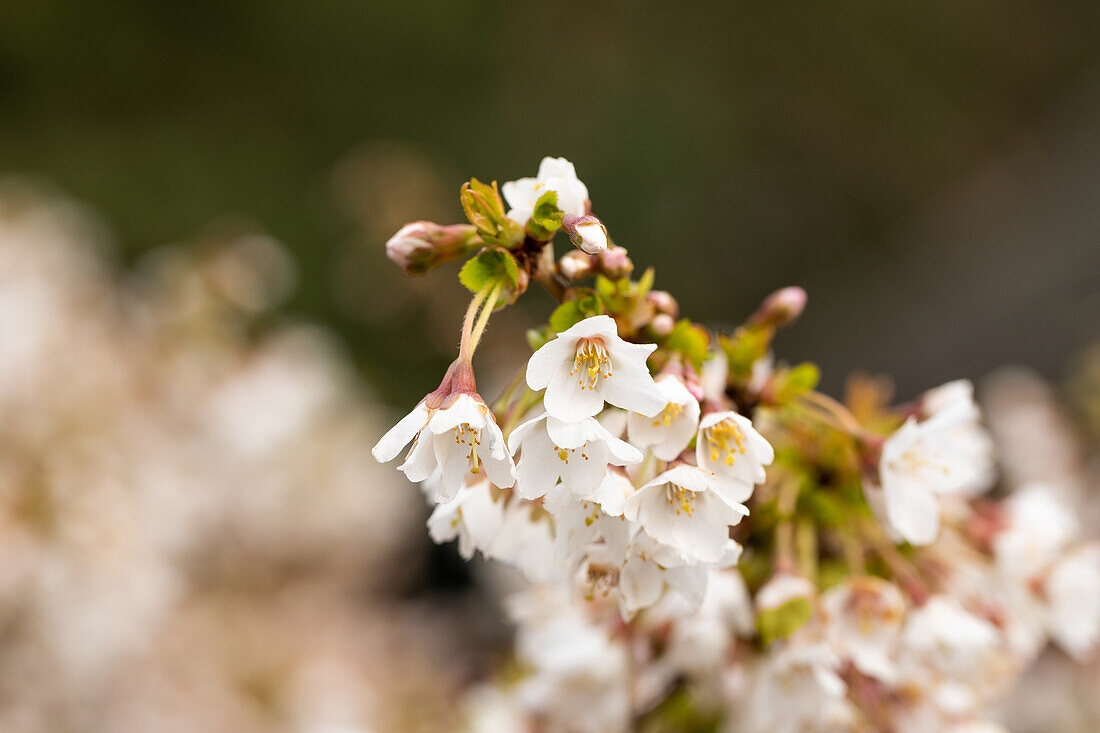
(465, 410)
(523, 431)
(420, 462)
(566, 400)
(640, 583)
(400, 434)
(552, 357)
(912, 508)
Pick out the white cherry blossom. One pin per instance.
(863, 622)
(668, 432)
(731, 448)
(472, 516)
(946, 454)
(683, 509)
(460, 437)
(555, 174)
(589, 364)
(576, 452)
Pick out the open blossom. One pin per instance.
(555, 174)
(729, 447)
(798, 689)
(576, 452)
(589, 364)
(472, 516)
(668, 432)
(863, 622)
(459, 437)
(651, 568)
(946, 454)
(684, 509)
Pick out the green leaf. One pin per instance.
(783, 620)
(546, 218)
(645, 282)
(489, 266)
(571, 312)
(744, 348)
(485, 209)
(797, 380)
(690, 340)
(539, 337)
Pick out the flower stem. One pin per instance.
(464, 350)
(486, 311)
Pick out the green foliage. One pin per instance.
(783, 620)
(680, 712)
(586, 303)
(546, 218)
(743, 349)
(485, 209)
(538, 337)
(796, 380)
(689, 340)
(491, 265)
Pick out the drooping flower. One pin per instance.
(730, 447)
(452, 429)
(682, 508)
(472, 516)
(668, 432)
(589, 364)
(946, 454)
(578, 453)
(555, 174)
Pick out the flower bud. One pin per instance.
(615, 263)
(577, 265)
(586, 232)
(662, 325)
(421, 245)
(781, 308)
(663, 302)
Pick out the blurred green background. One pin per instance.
(930, 170)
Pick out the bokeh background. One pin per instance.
(929, 171)
(194, 203)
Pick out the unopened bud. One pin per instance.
(615, 263)
(586, 232)
(421, 245)
(781, 308)
(663, 302)
(577, 265)
(662, 325)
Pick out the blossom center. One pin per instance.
(471, 438)
(667, 415)
(591, 363)
(726, 440)
(564, 454)
(681, 498)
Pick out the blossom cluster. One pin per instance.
(712, 543)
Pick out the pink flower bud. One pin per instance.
(421, 245)
(662, 324)
(615, 263)
(781, 308)
(586, 232)
(577, 265)
(663, 302)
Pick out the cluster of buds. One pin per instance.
(694, 512)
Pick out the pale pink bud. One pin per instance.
(615, 263)
(586, 232)
(663, 302)
(781, 308)
(577, 265)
